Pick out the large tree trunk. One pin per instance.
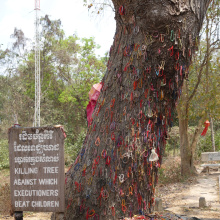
(154, 41)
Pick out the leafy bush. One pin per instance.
(205, 143)
(4, 155)
(173, 141)
(71, 150)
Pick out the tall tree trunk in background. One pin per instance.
(154, 41)
(187, 148)
(207, 78)
(212, 134)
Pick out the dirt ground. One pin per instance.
(179, 198)
(5, 179)
(30, 216)
(183, 198)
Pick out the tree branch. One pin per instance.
(200, 75)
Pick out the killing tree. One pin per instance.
(115, 173)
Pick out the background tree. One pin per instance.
(69, 68)
(199, 93)
(115, 173)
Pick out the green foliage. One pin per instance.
(205, 143)
(204, 72)
(69, 68)
(4, 156)
(173, 141)
(206, 98)
(72, 150)
(200, 94)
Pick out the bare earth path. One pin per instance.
(183, 198)
(30, 216)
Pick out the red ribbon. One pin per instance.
(107, 160)
(207, 123)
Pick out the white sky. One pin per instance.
(73, 15)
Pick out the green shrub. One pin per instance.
(4, 155)
(72, 150)
(205, 143)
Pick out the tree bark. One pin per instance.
(112, 177)
(187, 148)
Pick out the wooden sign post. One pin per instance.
(37, 169)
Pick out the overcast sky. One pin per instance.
(73, 15)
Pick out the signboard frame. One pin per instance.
(37, 169)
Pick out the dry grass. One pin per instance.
(170, 171)
(5, 199)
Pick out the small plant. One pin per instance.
(72, 150)
(4, 156)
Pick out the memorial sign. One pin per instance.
(37, 169)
